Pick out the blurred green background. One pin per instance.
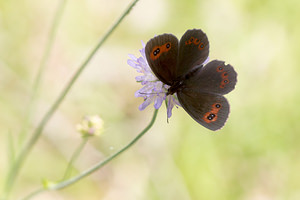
(255, 156)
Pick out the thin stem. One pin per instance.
(42, 66)
(101, 164)
(74, 157)
(66, 183)
(49, 45)
(14, 171)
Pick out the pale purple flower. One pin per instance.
(153, 90)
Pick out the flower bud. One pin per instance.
(90, 125)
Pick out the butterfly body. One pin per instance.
(178, 83)
(199, 88)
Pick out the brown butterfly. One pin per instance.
(199, 88)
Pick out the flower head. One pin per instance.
(153, 90)
(90, 125)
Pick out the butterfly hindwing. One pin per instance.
(209, 110)
(193, 51)
(215, 77)
(161, 53)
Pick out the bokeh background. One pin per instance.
(254, 157)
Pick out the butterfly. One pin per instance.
(200, 89)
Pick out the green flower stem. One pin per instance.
(74, 157)
(49, 45)
(101, 164)
(42, 66)
(66, 183)
(14, 170)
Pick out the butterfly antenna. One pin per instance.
(153, 92)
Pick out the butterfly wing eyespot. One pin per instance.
(168, 45)
(197, 41)
(155, 51)
(210, 117)
(220, 69)
(224, 82)
(201, 46)
(216, 106)
(224, 75)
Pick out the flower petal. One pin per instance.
(132, 57)
(158, 101)
(131, 63)
(146, 103)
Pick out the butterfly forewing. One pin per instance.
(209, 110)
(161, 53)
(193, 51)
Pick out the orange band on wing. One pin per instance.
(212, 115)
(224, 76)
(196, 42)
(158, 50)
